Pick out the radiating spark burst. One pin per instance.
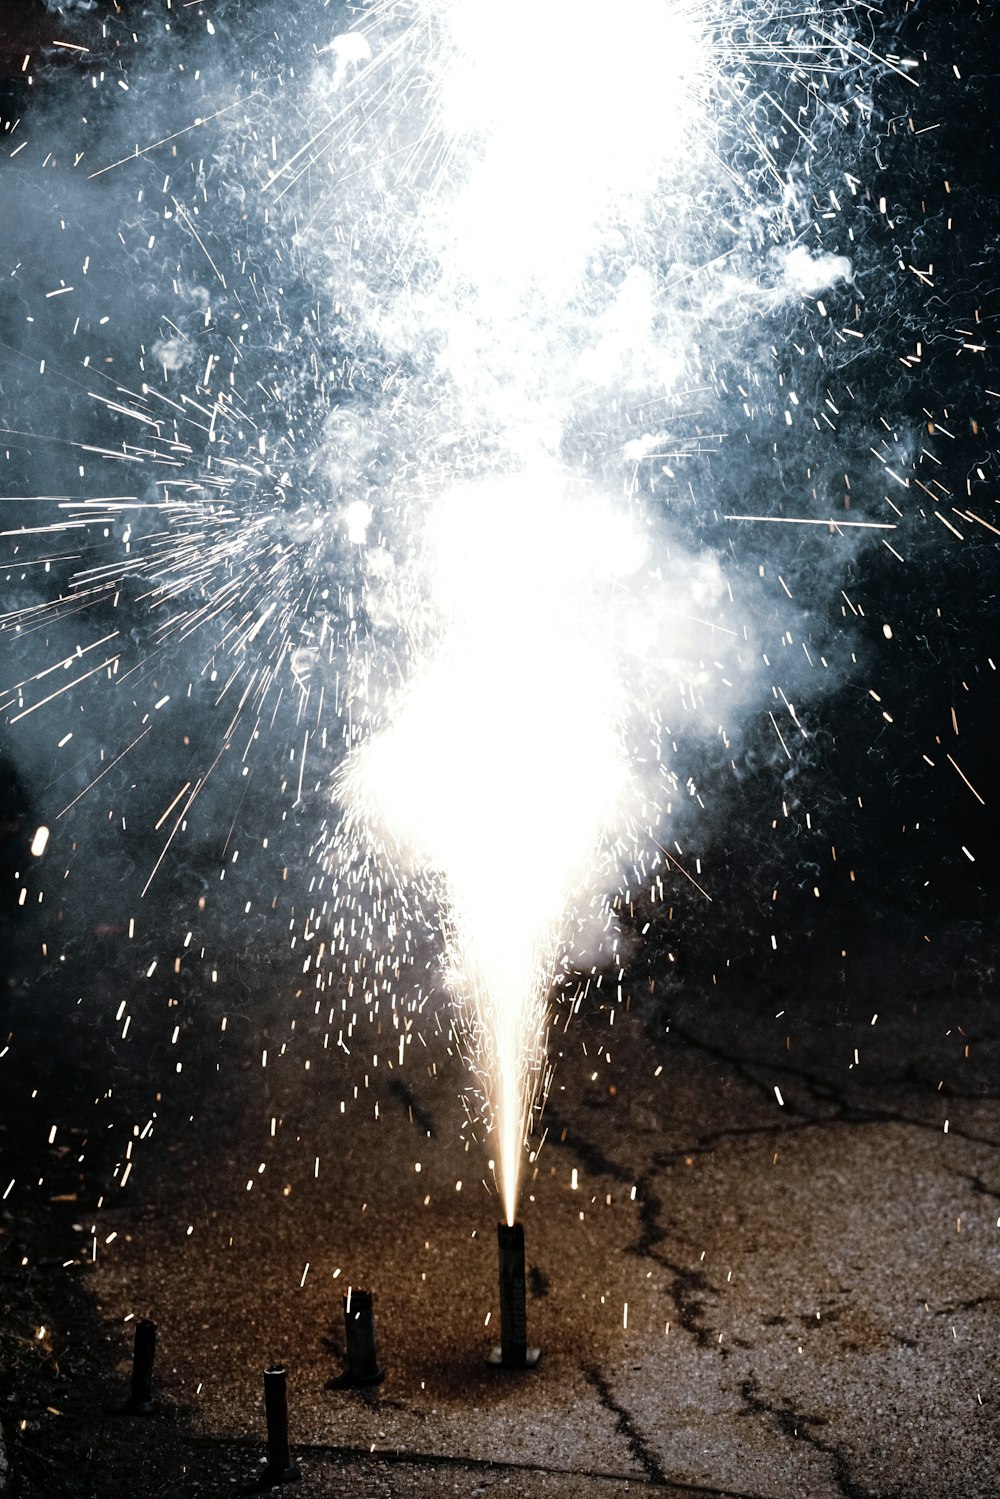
(526, 251)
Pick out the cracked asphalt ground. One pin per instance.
(762, 1238)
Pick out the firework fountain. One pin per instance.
(472, 353)
(565, 170)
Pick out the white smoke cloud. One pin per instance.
(174, 353)
(809, 275)
(350, 51)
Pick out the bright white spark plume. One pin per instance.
(503, 765)
(506, 772)
(564, 118)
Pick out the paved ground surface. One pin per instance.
(763, 1238)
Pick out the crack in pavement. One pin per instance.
(797, 1427)
(689, 1286)
(400, 1456)
(821, 1090)
(966, 1306)
(626, 1426)
(418, 1115)
(979, 1186)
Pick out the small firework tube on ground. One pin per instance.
(280, 1468)
(139, 1401)
(359, 1328)
(513, 1352)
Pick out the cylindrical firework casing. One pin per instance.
(359, 1329)
(513, 1352)
(280, 1468)
(513, 1294)
(140, 1400)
